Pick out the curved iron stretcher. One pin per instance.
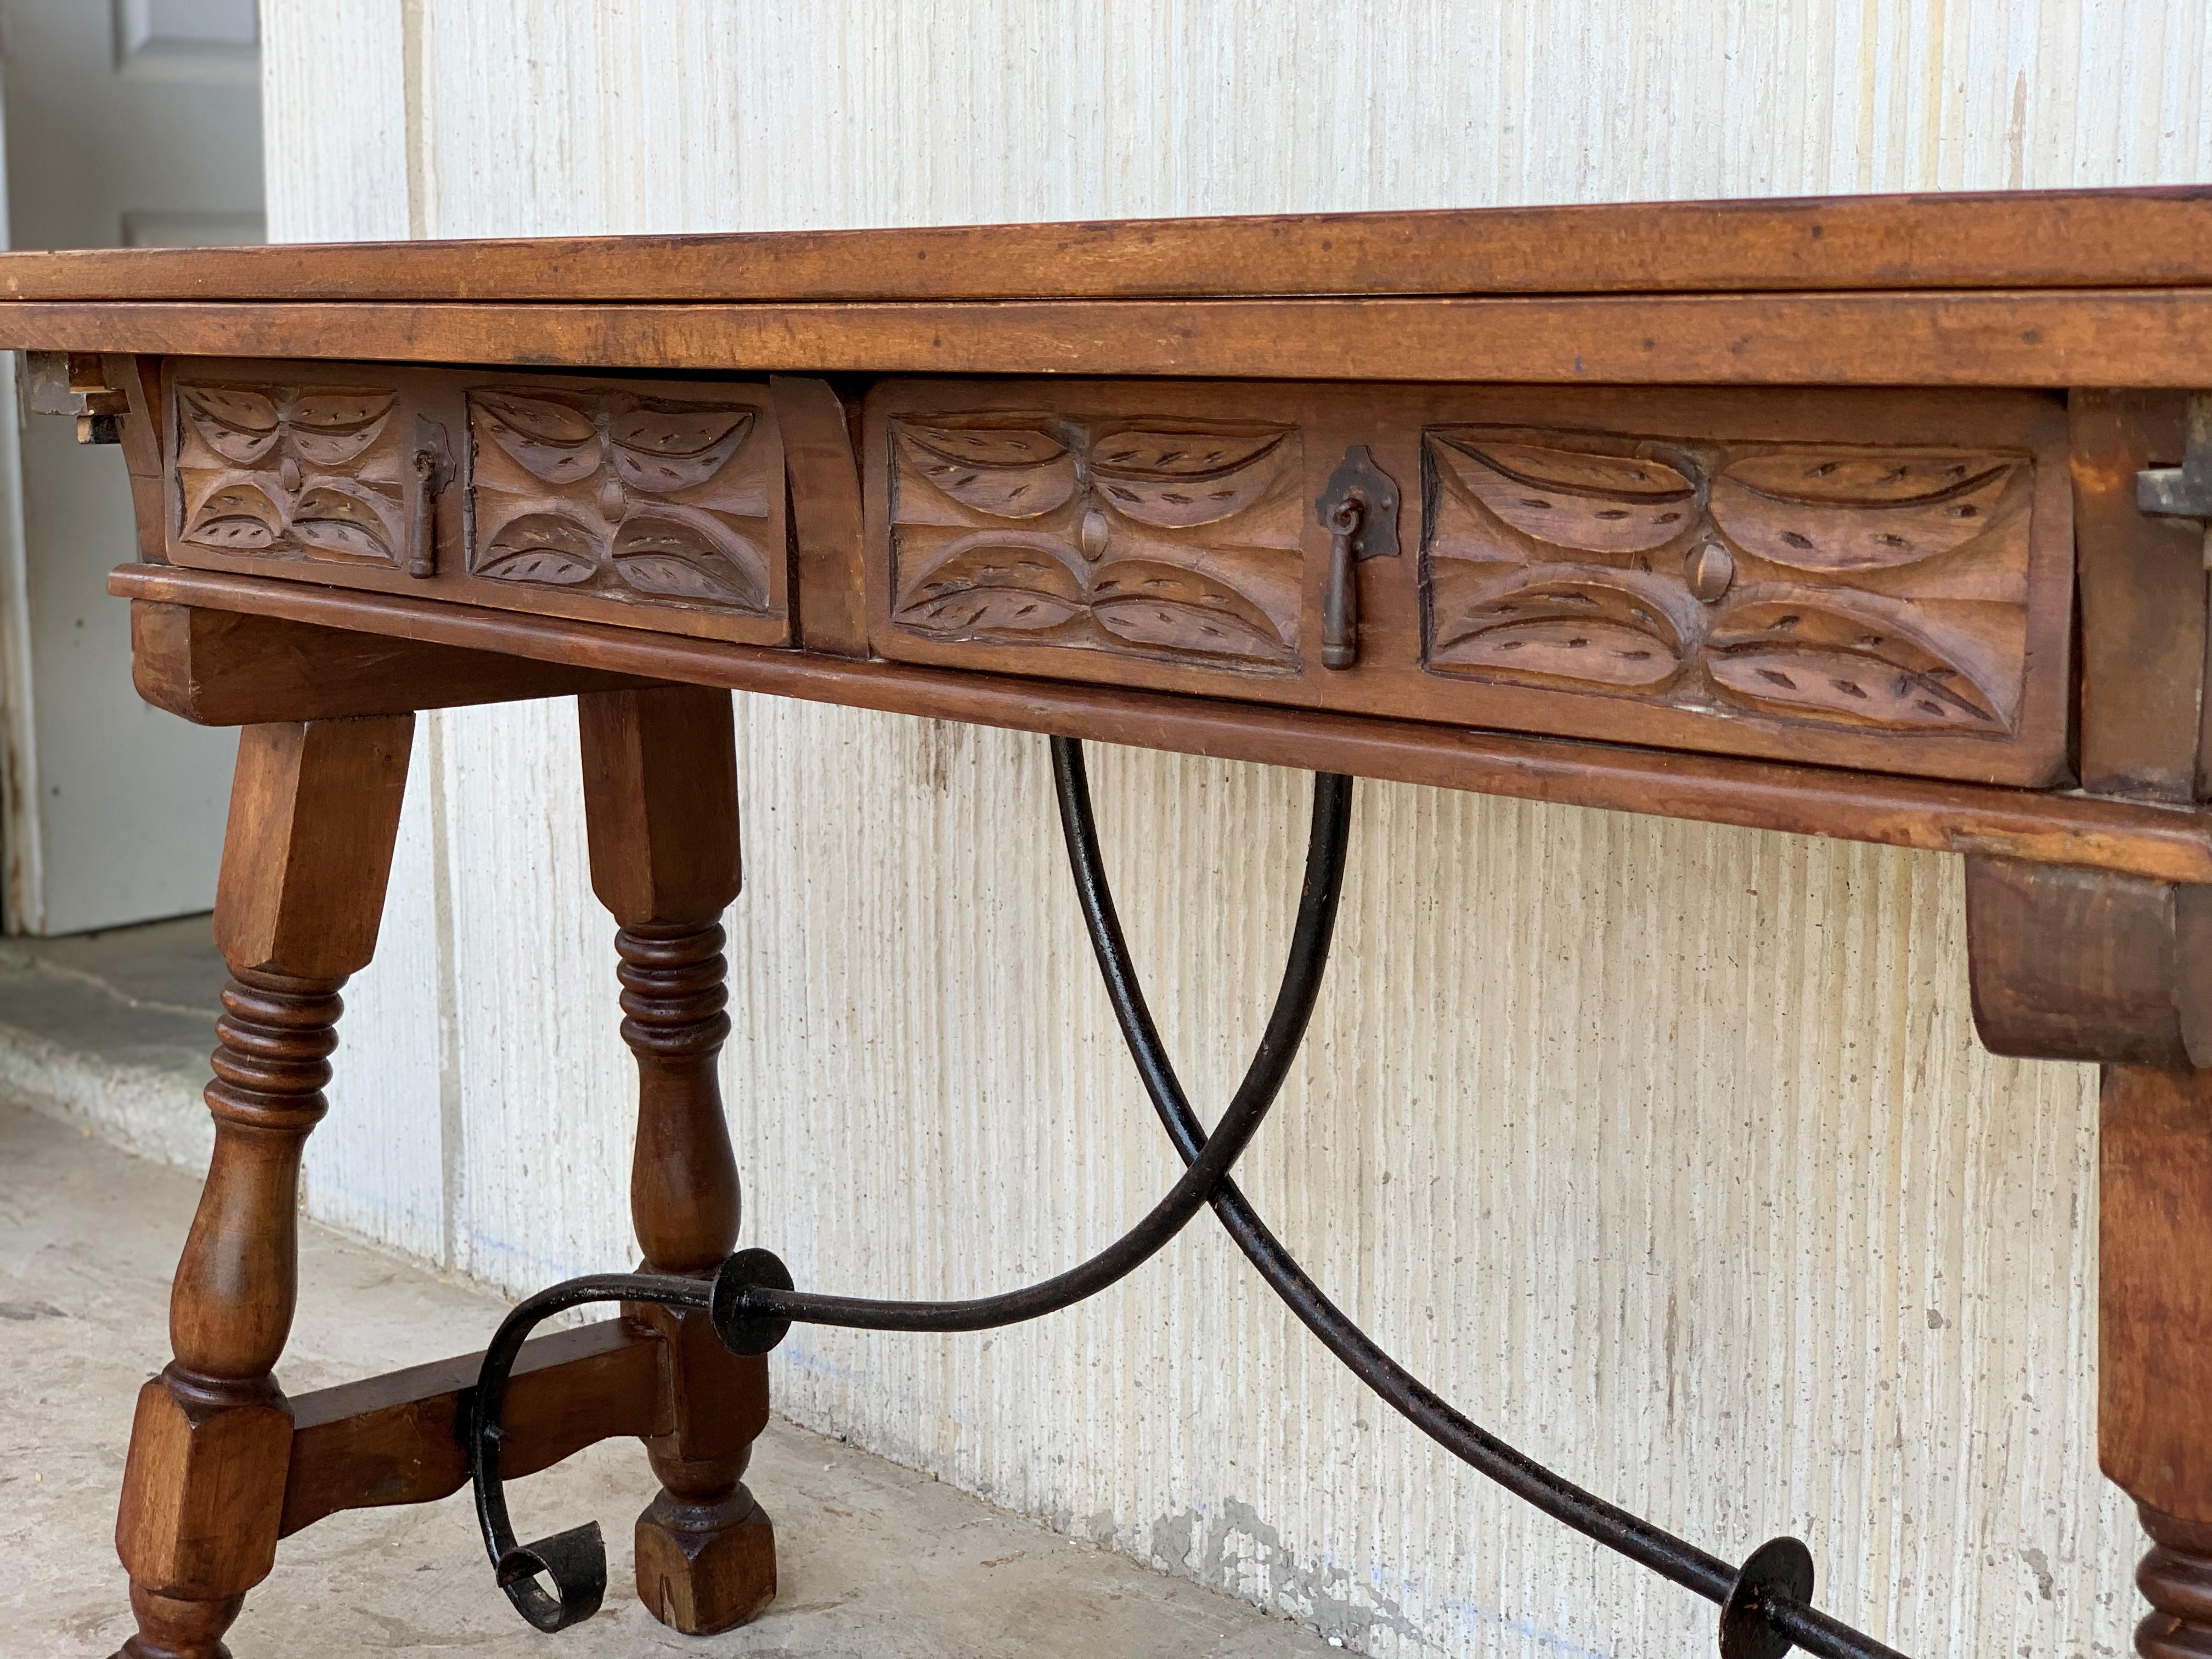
(1766, 1604)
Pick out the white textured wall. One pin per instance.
(1664, 1150)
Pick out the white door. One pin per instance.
(129, 122)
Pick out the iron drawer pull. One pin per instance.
(432, 469)
(1359, 507)
(1339, 594)
(1765, 1605)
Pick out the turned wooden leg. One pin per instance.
(2081, 964)
(2154, 1316)
(661, 810)
(314, 809)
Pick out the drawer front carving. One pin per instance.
(1836, 577)
(1843, 578)
(1881, 587)
(1146, 536)
(312, 471)
(1155, 533)
(645, 497)
(648, 503)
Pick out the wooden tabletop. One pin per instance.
(2102, 288)
(2061, 239)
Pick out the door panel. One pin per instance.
(111, 811)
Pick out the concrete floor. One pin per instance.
(114, 1029)
(875, 1559)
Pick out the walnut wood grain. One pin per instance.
(656, 504)
(2143, 604)
(2054, 338)
(314, 809)
(2154, 1342)
(399, 1438)
(668, 493)
(1875, 580)
(661, 814)
(826, 527)
(2084, 964)
(2090, 965)
(144, 447)
(1964, 239)
(1878, 587)
(227, 668)
(2041, 828)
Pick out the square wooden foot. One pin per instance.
(203, 1489)
(705, 1567)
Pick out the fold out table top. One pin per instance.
(1767, 366)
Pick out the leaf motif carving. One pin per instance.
(998, 445)
(548, 439)
(1800, 581)
(1574, 498)
(341, 409)
(237, 422)
(1583, 631)
(549, 420)
(332, 426)
(656, 427)
(992, 586)
(687, 558)
(1177, 478)
(1779, 655)
(990, 581)
(1095, 572)
(1844, 686)
(549, 565)
(638, 498)
(1008, 473)
(1183, 611)
(1150, 450)
(969, 612)
(237, 517)
(541, 547)
(707, 577)
(1844, 477)
(664, 446)
(241, 407)
(1861, 510)
(325, 427)
(334, 517)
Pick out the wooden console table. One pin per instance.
(1882, 517)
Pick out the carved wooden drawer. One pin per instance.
(1862, 579)
(653, 504)
(1154, 533)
